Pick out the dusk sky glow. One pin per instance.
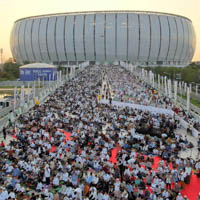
(11, 10)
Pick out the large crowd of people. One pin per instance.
(126, 87)
(74, 147)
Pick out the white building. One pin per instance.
(104, 36)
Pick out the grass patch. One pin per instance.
(192, 101)
(7, 86)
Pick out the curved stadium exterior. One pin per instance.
(104, 36)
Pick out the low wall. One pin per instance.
(152, 109)
(141, 107)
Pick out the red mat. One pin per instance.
(67, 137)
(191, 190)
(53, 148)
(114, 154)
(14, 136)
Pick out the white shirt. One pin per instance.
(4, 195)
(117, 186)
(39, 186)
(65, 176)
(106, 197)
(56, 181)
(12, 195)
(47, 172)
(179, 197)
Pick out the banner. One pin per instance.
(162, 79)
(15, 96)
(196, 89)
(140, 107)
(38, 82)
(175, 91)
(180, 87)
(60, 77)
(169, 88)
(57, 77)
(190, 87)
(22, 96)
(188, 99)
(165, 82)
(185, 88)
(159, 81)
(28, 94)
(153, 77)
(33, 90)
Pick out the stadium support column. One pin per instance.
(188, 99)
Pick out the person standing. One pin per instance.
(47, 174)
(4, 133)
(110, 99)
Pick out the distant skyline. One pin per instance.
(12, 10)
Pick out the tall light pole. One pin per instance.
(1, 54)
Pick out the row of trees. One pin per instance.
(189, 74)
(9, 71)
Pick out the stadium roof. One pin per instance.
(102, 12)
(37, 65)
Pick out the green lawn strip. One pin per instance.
(192, 101)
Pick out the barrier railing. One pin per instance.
(194, 110)
(41, 95)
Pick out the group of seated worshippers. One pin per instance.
(126, 87)
(74, 147)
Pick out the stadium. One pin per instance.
(147, 38)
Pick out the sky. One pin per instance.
(11, 10)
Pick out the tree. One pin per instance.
(60, 68)
(12, 69)
(188, 74)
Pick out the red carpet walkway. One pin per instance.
(67, 137)
(191, 190)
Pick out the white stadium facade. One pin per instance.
(147, 38)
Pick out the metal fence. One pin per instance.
(41, 95)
